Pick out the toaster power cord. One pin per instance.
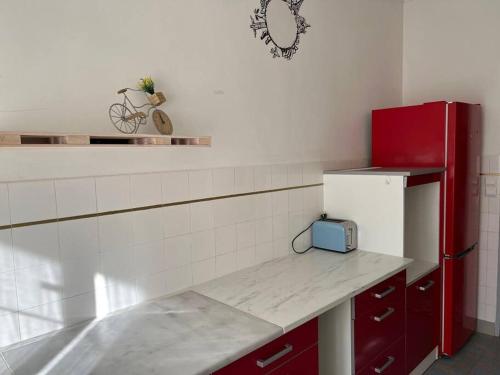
(297, 236)
(322, 217)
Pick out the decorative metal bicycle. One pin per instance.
(127, 117)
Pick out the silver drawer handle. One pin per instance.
(426, 286)
(266, 362)
(385, 315)
(390, 361)
(385, 293)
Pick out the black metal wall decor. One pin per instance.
(260, 21)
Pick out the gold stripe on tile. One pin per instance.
(143, 208)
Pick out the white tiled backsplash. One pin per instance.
(488, 242)
(57, 274)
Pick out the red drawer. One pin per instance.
(423, 318)
(285, 347)
(306, 363)
(390, 362)
(377, 329)
(393, 287)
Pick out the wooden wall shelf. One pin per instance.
(33, 139)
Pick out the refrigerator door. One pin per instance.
(460, 279)
(462, 178)
(411, 136)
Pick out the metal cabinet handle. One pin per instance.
(427, 286)
(385, 315)
(390, 361)
(266, 362)
(385, 293)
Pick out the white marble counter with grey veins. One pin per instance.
(192, 334)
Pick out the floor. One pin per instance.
(481, 356)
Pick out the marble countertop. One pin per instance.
(418, 269)
(184, 334)
(291, 290)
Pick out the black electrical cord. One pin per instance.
(297, 236)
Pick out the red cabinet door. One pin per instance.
(276, 353)
(390, 362)
(306, 363)
(422, 319)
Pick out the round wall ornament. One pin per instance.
(280, 25)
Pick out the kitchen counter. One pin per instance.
(291, 290)
(192, 334)
(184, 334)
(418, 269)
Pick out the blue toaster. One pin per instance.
(335, 235)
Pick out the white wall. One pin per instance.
(451, 52)
(63, 60)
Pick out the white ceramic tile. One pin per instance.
(41, 319)
(177, 251)
(492, 259)
(200, 184)
(175, 186)
(35, 245)
(148, 225)
(263, 205)
(179, 278)
(493, 205)
(8, 294)
(494, 164)
(245, 234)
(6, 253)
(294, 174)
(202, 245)
(312, 173)
(9, 334)
(225, 264)
(117, 267)
(223, 181)
(225, 211)
(32, 201)
(115, 297)
(176, 220)
(79, 274)
(490, 186)
(75, 197)
(79, 309)
(280, 202)
(78, 237)
(490, 313)
(225, 239)
(116, 231)
(295, 200)
(264, 230)
(491, 296)
(4, 205)
(245, 257)
(279, 176)
(149, 258)
(280, 226)
(202, 216)
(39, 285)
(244, 179)
(493, 223)
(492, 241)
(491, 276)
(313, 198)
(245, 208)
(203, 271)
(113, 193)
(263, 252)
(263, 177)
(484, 222)
(146, 189)
(485, 164)
(151, 286)
(280, 247)
(484, 205)
(481, 295)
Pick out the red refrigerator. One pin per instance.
(434, 135)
